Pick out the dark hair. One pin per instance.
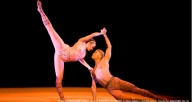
(100, 51)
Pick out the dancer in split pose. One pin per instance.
(65, 53)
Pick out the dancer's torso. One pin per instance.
(74, 53)
(102, 74)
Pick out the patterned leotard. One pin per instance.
(74, 53)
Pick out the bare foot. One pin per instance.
(39, 6)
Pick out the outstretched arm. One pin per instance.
(93, 88)
(83, 62)
(108, 43)
(90, 36)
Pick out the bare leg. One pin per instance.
(55, 38)
(59, 71)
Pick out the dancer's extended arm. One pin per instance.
(108, 43)
(93, 87)
(90, 36)
(83, 62)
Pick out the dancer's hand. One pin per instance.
(90, 70)
(104, 31)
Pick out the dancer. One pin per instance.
(114, 85)
(64, 52)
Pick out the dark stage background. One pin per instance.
(151, 42)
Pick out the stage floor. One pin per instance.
(49, 94)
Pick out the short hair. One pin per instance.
(100, 51)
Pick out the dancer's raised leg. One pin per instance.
(55, 38)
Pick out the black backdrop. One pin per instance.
(151, 42)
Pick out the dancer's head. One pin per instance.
(98, 54)
(91, 44)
